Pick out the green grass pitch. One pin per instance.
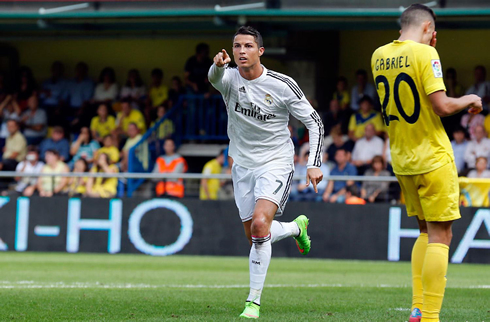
(100, 287)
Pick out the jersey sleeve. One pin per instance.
(431, 69)
(302, 110)
(220, 78)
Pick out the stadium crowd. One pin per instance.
(78, 125)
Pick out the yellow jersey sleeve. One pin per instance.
(431, 70)
(352, 123)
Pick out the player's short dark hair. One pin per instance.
(247, 30)
(413, 14)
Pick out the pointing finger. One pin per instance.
(314, 185)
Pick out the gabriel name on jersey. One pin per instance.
(391, 63)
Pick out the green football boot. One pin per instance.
(303, 240)
(251, 311)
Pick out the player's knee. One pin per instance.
(260, 226)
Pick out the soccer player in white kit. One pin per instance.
(258, 102)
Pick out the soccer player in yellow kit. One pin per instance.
(408, 77)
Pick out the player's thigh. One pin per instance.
(243, 190)
(273, 183)
(411, 195)
(439, 194)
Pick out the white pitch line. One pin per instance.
(84, 285)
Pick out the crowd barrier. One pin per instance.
(164, 227)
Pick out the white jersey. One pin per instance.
(258, 116)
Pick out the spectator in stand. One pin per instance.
(210, 187)
(336, 116)
(84, 147)
(166, 128)
(50, 186)
(127, 116)
(477, 147)
(54, 93)
(102, 187)
(335, 191)
(109, 148)
(481, 87)
(158, 93)
(15, 149)
(26, 186)
(103, 124)
(56, 142)
(170, 162)
(341, 94)
(304, 192)
(175, 91)
(481, 169)
(366, 115)
(35, 122)
(366, 149)
(134, 88)
(361, 90)
(107, 88)
(352, 196)
(9, 110)
(454, 89)
(196, 70)
(134, 137)
(26, 87)
(338, 143)
(373, 191)
(80, 89)
(471, 121)
(459, 145)
(77, 186)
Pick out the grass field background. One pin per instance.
(100, 287)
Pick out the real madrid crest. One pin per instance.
(268, 99)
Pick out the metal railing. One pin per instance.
(146, 175)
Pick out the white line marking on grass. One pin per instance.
(47, 285)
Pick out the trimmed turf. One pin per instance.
(99, 287)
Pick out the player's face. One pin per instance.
(246, 51)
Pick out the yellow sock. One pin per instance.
(418, 257)
(434, 280)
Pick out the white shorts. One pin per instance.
(270, 182)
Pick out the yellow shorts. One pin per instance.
(432, 196)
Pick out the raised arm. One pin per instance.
(217, 70)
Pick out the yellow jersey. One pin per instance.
(104, 128)
(134, 116)
(406, 73)
(211, 167)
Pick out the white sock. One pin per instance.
(260, 257)
(281, 230)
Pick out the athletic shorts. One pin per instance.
(432, 196)
(270, 182)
